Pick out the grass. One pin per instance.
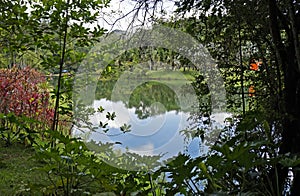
(16, 169)
(156, 74)
(171, 75)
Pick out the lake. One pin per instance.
(157, 113)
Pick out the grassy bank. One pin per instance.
(171, 75)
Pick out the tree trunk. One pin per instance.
(287, 57)
(291, 134)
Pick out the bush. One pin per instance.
(24, 94)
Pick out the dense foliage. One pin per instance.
(25, 92)
(256, 47)
(24, 95)
(264, 96)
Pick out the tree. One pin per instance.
(14, 37)
(237, 31)
(272, 28)
(60, 21)
(54, 30)
(284, 16)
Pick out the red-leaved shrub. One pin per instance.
(24, 92)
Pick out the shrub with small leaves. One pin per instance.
(24, 93)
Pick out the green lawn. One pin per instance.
(16, 169)
(171, 75)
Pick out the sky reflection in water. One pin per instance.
(157, 134)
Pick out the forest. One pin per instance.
(150, 97)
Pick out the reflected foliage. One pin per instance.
(149, 99)
(145, 97)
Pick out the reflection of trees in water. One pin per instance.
(150, 98)
(104, 89)
(153, 98)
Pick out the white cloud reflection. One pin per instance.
(159, 134)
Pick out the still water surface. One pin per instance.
(154, 112)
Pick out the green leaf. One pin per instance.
(100, 109)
